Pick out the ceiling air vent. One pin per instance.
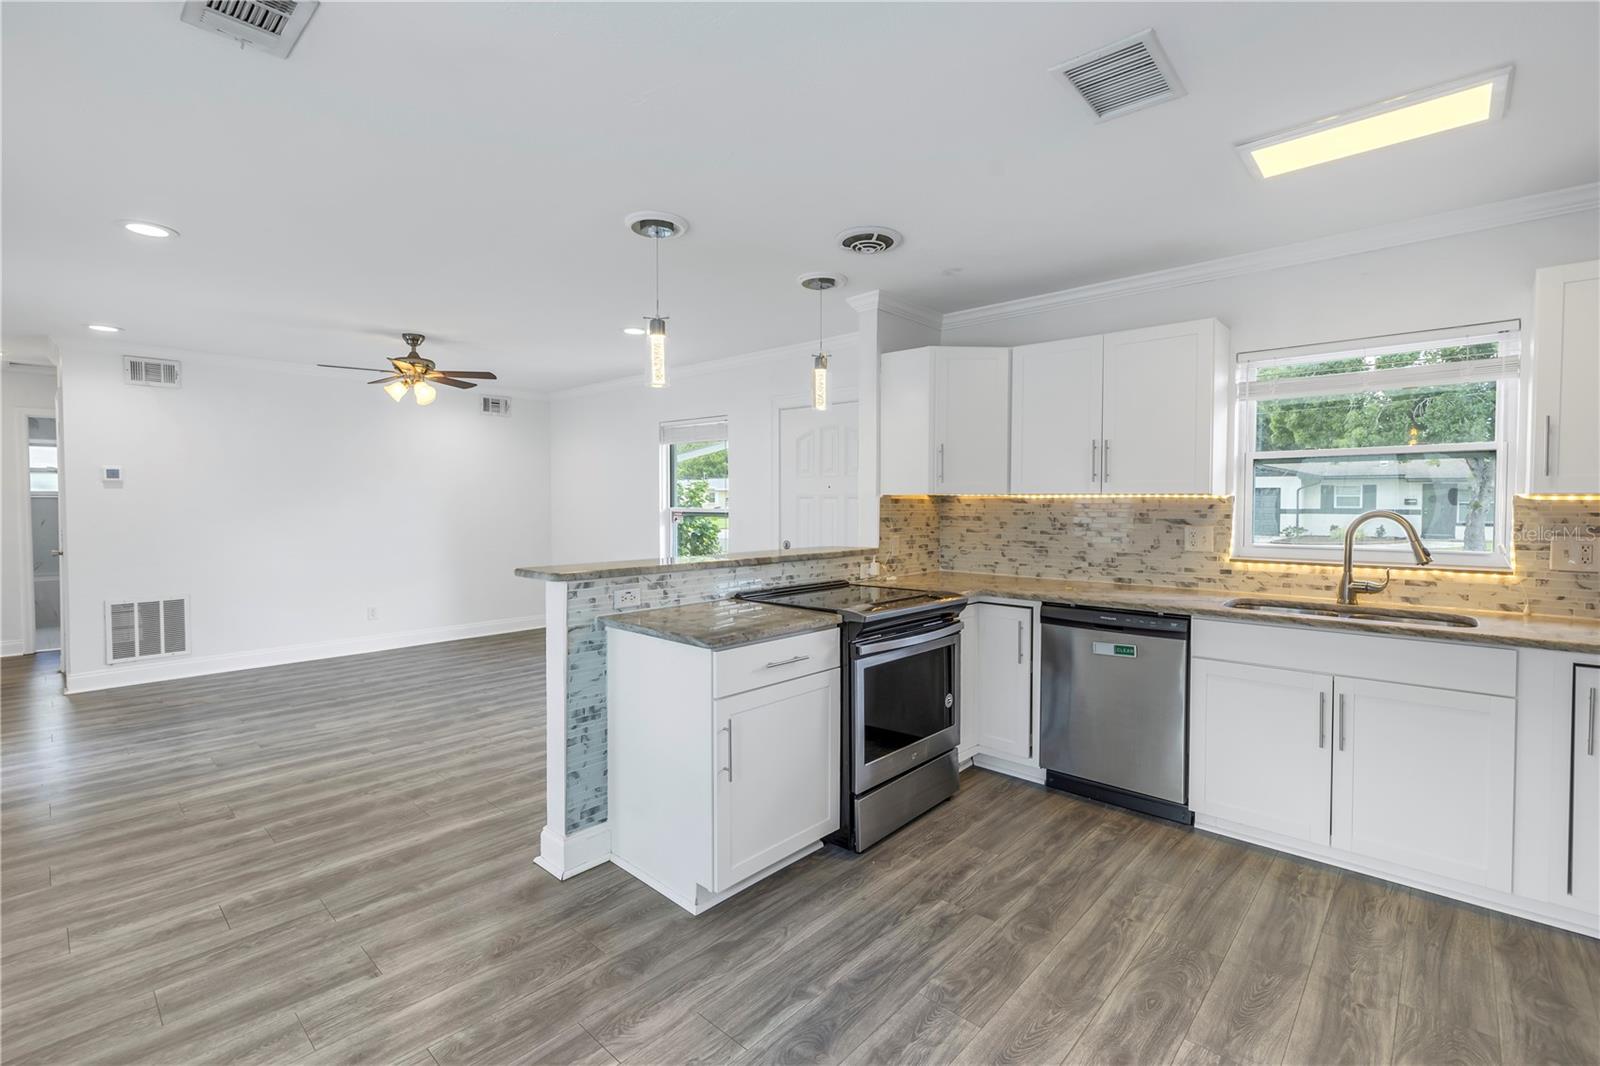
(270, 26)
(146, 629)
(496, 405)
(869, 240)
(162, 372)
(1124, 76)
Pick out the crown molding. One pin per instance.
(1375, 238)
(878, 300)
(803, 350)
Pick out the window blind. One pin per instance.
(691, 430)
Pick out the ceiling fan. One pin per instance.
(416, 374)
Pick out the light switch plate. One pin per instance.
(622, 599)
(1575, 554)
(1197, 539)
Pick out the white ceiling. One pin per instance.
(463, 169)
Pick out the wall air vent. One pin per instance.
(270, 26)
(146, 629)
(496, 405)
(1124, 76)
(162, 372)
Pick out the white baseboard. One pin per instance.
(703, 899)
(168, 669)
(1575, 921)
(9, 648)
(565, 855)
(1011, 767)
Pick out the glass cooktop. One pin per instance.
(853, 600)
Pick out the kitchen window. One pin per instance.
(694, 516)
(1420, 424)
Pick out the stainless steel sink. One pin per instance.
(1360, 613)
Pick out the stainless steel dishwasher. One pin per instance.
(1114, 708)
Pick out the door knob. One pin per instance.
(57, 551)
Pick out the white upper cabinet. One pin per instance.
(1165, 411)
(944, 421)
(1144, 410)
(1566, 379)
(1055, 416)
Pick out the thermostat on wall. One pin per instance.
(111, 474)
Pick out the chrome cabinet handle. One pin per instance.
(1094, 460)
(1341, 721)
(1548, 425)
(1591, 695)
(1322, 719)
(941, 464)
(1594, 693)
(788, 662)
(1105, 461)
(728, 729)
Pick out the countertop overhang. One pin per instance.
(721, 624)
(640, 567)
(1498, 628)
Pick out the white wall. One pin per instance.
(1476, 277)
(21, 389)
(605, 449)
(285, 502)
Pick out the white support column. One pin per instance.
(886, 325)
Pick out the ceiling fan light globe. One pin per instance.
(396, 390)
(426, 393)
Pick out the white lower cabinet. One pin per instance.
(1259, 751)
(723, 766)
(778, 781)
(1583, 803)
(997, 681)
(1424, 778)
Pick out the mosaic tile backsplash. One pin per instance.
(1139, 541)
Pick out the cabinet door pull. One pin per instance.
(1594, 694)
(728, 729)
(1322, 719)
(1094, 460)
(790, 661)
(1105, 461)
(941, 464)
(1341, 721)
(1548, 426)
(1591, 695)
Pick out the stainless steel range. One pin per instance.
(901, 713)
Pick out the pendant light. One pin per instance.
(658, 226)
(820, 283)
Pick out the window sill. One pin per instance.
(1495, 563)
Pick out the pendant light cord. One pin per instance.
(658, 277)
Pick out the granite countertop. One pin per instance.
(636, 567)
(1512, 630)
(720, 624)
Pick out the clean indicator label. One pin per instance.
(1125, 651)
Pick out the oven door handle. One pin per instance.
(867, 650)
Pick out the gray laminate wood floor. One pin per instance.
(331, 862)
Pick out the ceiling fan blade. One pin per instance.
(363, 369)
(483, 375)
(381, 381)
(452, 382)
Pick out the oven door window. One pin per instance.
(906, 698)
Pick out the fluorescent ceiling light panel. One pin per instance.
(1465, 102)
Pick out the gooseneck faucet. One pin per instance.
(1349, 586)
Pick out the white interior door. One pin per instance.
(818, 459)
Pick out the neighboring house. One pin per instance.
(1322, 497)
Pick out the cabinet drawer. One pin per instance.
(755, 665)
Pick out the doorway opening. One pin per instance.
(44, 530)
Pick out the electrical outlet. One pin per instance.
(1575, 554)
(372, 614)
(622, 599)
(1197, 539)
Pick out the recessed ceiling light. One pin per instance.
(148, 229)
(633, 331)
(104, 327)
(1464, 102)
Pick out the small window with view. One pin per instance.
(695, 462)
(1419, 425)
